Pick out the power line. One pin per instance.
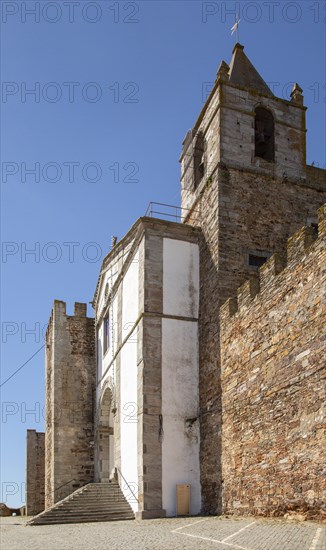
(22, 366)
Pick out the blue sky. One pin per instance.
(117, 86)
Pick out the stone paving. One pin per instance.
(166, 534)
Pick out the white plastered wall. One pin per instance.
(180, 278)
(180, 384)
(128, 385)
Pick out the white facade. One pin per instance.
(122, 297)
(180, 383)
(180, 278)
(180, 447)
(128, 383)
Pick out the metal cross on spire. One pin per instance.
(235, 27)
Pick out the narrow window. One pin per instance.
(256, 261)
(315, 229)
(199, 159)
(313, 222)
(264, 134)
(106, 334)
(256, 258)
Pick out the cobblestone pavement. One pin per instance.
(165, 534)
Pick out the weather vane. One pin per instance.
(235, 27)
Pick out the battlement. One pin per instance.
(298, 247)
(60, 308)
(316, 177)
(59, 317)
(70, 378)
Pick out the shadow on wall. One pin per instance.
(210, 385)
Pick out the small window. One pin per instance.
(199, 159)
(106, 334)
(313, 222)
(256, 258)
(315, 229)
(264, 134)
(256, 261)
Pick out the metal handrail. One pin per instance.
(57, 488)
(178, 210)
(124, 479)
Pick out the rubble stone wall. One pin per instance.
(35, 472)
(273, 349)
(70, 386)
(239, 212)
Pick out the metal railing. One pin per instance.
(61, 497)
(126, 482)
(166, 211)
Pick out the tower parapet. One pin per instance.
(70, 386)
(272, 360)
(302, 243)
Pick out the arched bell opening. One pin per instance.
(264, 134)
(199, 159)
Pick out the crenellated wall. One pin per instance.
(70, 386)
(273, 347)
(245, 206)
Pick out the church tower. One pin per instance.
(245, 183)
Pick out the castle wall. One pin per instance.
(273, 390)
(258, 213)
(35, 472)
(239, 212)
(70, 384)
(243, 206)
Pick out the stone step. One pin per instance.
(100, 513)
(86, 502)
(83, 520)
(88, 506)
(85, 510)
(87, 515)
(95, 502)
(94, 497)
(110, 500)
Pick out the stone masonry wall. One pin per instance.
(243, 206)
(35, 472)
(239, 211)
(273, 350)
(70, 384)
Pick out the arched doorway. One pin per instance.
(105, 437)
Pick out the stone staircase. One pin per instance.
(93, 502)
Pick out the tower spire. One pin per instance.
(242, 73)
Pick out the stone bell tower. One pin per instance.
(245, 182)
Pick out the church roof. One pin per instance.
(242, 73)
